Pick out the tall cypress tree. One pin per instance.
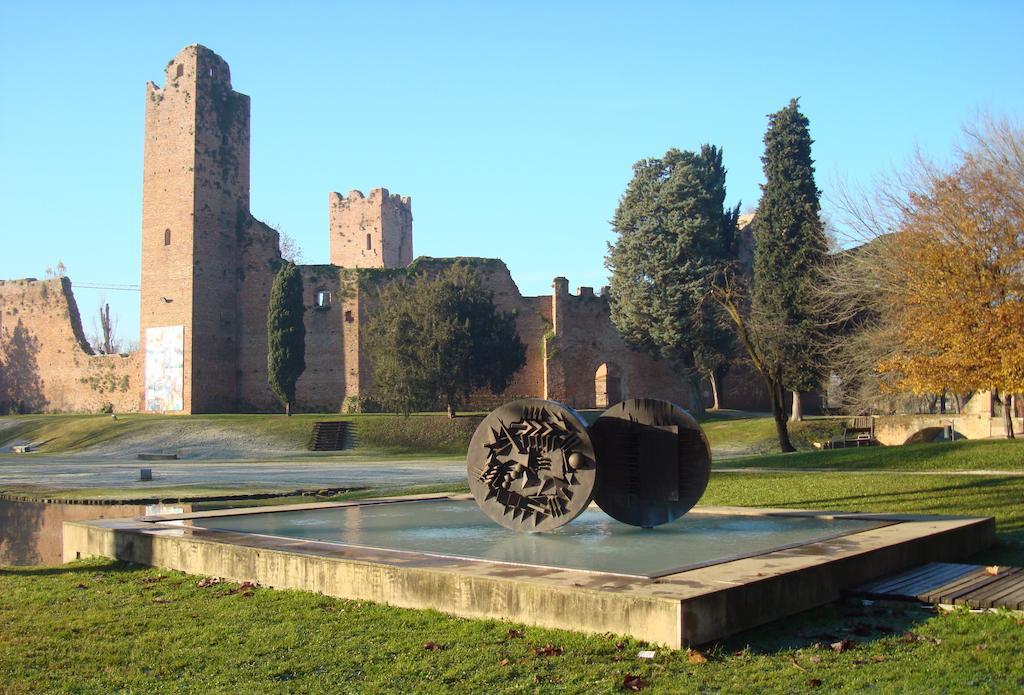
(789, 248)
(286, 334)
(673, 235)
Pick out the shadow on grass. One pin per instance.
(104, 565)
(839, 626)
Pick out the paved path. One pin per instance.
(78, 472)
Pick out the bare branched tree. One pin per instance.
(940, 246)
(290, 248)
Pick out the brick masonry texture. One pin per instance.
(208, 265)
(46, 363)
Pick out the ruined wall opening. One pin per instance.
(323, 299)
(607, 385)
(181, 70)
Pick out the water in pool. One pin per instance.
(592, 542)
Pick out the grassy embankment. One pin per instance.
(422, 433)
(98, 626)
(730, 433)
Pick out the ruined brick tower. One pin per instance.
(371, 232)
(195, 206)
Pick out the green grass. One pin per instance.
(431, 433)
(735, 433)
(72, 433)
(99, 626)
(979, 455)
(730, 432)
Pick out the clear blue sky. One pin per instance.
(513, 126)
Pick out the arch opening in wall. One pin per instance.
(934, 434)
(607, 385)
(167, 237)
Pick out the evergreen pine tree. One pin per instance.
(286, 334)
(437, 338)
(673, 235)
(789, 248)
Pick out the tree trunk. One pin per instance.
(942, 403)
(1008, 416)
(779, 414)
(797, 414)
(288, 408)
(451, 410)
(696, 399)
(713, 380)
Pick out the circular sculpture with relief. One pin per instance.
(531, 465)
(654, 461)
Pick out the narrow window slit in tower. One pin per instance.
(167, 237)
(368, 247)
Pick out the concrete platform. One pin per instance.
(677, 610)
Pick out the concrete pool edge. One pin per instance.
(686, 608)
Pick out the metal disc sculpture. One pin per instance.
(531, 466)
(653, 461)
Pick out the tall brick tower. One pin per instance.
(372, 231)
(195, 204)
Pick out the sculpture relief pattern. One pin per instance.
(531, 465)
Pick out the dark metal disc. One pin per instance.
(654, 461)
(531, 465)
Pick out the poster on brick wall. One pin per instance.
(165, 368)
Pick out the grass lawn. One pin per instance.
(61, 434)
(730, 432)
(978, 455)
(97, 626)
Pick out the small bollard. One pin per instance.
(145, 474)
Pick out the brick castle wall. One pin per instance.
(46, 365)
(208, 265)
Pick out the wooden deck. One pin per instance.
(945, 583)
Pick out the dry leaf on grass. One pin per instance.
(843, 645)
(633, 683)
(546, 650)
(695, 657)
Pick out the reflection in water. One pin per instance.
(31, 533)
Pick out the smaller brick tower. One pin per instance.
(372, 231)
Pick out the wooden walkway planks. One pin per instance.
(952, 584)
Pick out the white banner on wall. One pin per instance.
(165, 368)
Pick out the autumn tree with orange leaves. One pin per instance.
(955, 306)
